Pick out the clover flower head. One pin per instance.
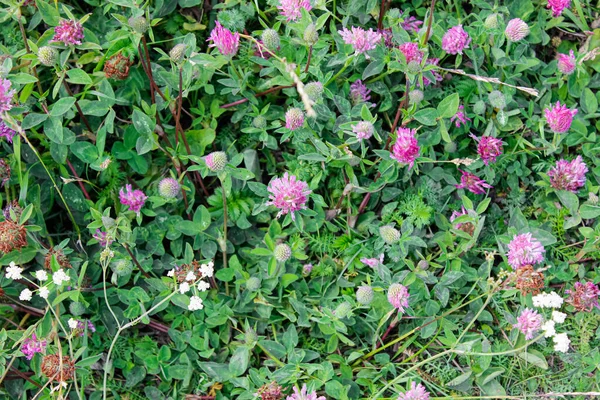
(566, 63)
(488, 148)
(472, 183)
(363, 130)
(294, 118)
(410, 23)
(6, 95)
(516, 30)
(6, 132)
(584, 296)
(291, 9)
(455, 40)
(416, 392)
(559, 117)
(69, 32)
(398, 296)
(529, 322)
(411, 52)
(558, 6)
(523, 250)
(303, 394)
(32, 345)
(460, 118)
(223, 39)
(360, 39)
(359, 93)
(568, 175)
(288, 194)
(406, 148)
(134, 199)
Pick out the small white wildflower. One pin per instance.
(14, 272)
(195, 303)
(190, 277)
(72, 323)
(44, 292)
(25, 295)
(171, 273)
(184, 288)
(57, 387)
(548, 328)
(203, 286)
(561, 342)
(558, 317)
(41, 275)
(207, 270)
(59, 277)
(548, 300)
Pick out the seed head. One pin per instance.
(415, 96)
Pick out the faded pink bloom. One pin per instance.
(529, 322)
(363, 130)
(135, 199)
(406, 149)
(436, 75)
(559, 117)
(416, 392)
(516, 30)
(6, 132)
(566, 63)
(303, 395)
(32, 345)
(360, 39)
(307, 269)
(411, 52)
(584, 296)
(294, 118)
(69, 32)
(410, 24)
(456, 214)
(398, 296)
(224, 40)
(359, 93)
(523, 250)
(472, 183)
(373, 262)
(6, 95)
(558, 6)
(488, 148)
(288, 194)
(460, 117)
(568, 175)
(291, 9)
(455, 40)
(102, 238)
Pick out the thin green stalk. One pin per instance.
(581, 14)
(271, 356)
(341, 71)
(224, 244)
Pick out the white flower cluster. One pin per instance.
(207, 271)
(553, 300)
(14, 272)
(548, 300)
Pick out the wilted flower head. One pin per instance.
(559, 117)
(416, 392)
(288, 194)
(169, 188)
(359, 93)
(410, 23)
(32, 345)
(69, 32)
(6, 95)
(269, 391)
(398, 296)
(294, 118)
(488, 148)
(363, 130)
(406, 148)
(216, 161)
(584, 296)
(364, 295)
(455, 40)
(303, 395)
(566, 63)
(135, 199)
(460, 117)
(57, 368)
(307, 269)
(472, 183)
(558, 6)
(523, 250)
(465, 226)
(291, 9)
(12, 236)
(15, 208)
(360, 39)
(529, 322)
(411, 52)
(224, 40)
(568, 175)
(4, 172)
(6, 132)
(117, 67)
(516, 30)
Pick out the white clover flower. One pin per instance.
(44, 292)
(184, 288)
(41, 275)
(207, 270)
(558, 317)
(561, 342)
(25, 295)
(72, 323)
(171, 273)
(190, 277)
(548, 328)
(203, 286)
(14, 272)
(195, 303)
(59, 277)
(548, 300)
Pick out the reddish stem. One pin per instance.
(83, 118)
(309, 57)
(85, 193)
(242, 101)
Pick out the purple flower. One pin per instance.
(135, 199)
(456, 214)
(288, 194)
(472, 183)
(398, 296)
(516, 30)
(359, 93)
(416, 392)
(224, 40)
(529, 322)
(388, 37)
(584, 296)
(559, 117)
(558, 6)
(360, 39)
(372, 262)
(410, 24)
(488, 148)
(303, 395)
(291, 9)
(568, 175)
(566, 63)
(307, 269)
(102, 238)
(69, 32)
(436, 75)
(455, 40)
(406, 149)
(523, 250)
(6, 132)
(81, 327)
(460, 117)
(411, 52)
(32, 345)
(294, 118)
(6, 95)
(363, 130)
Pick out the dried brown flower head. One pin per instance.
(55, 369)
(529, 280)
(12, 236)
(117, 67)
(181, 271)
(60, 256)
(270, 391)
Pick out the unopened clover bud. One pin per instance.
(497, 99)
(48, 56)
(314, 90)
(139, 24)
(364, 295)
(270, 39)
(556, 41)
(343, 310)
(253, 284)
(169, 188)
(76, 308)
(592, 198)
(177, 53)
(282, 252)
(259, 122)
(250, 337)
(423, 264)
(122, 267)
(414, 67)
(479, 107)
(311, 36)
(450, 147)
(491, 22)
(216, 161)
(415, 96)
(502, 118)
(389, 234)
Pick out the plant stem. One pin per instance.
(83, 118)
(310, 50)
(429, 22)
(85, 193)
(341, 71)
(271, 356)
(224, 244)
